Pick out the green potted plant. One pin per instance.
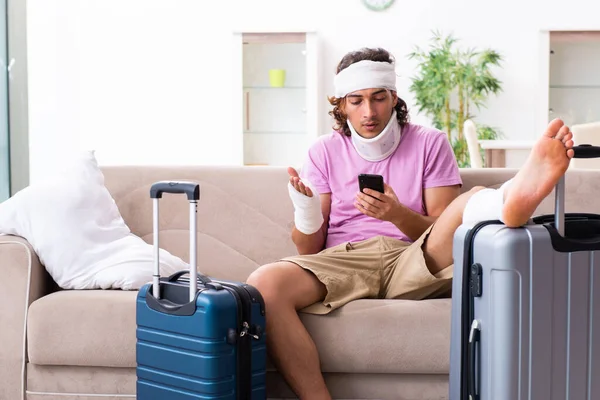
(449, 82)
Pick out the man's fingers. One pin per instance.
(295, 183)
(368, 199)
(368, 203)
(364, 208)
(374, 193)
(360, 207)
(305, 190)
(300, 186)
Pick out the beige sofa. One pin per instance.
(80, 345)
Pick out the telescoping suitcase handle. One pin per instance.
(581, 151)
(192, 191)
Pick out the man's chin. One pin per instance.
(369, 134)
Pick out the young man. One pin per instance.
(396, 244)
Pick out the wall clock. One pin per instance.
(377, 5)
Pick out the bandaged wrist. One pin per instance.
(307, 210)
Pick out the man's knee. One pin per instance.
(476, 189)
(271, 281)
(285, 284)
(469, 193)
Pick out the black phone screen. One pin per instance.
(370, 181)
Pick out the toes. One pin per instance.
(562, 132)
(570, 153)
(553, 127)
(567, 137)
(569, 144)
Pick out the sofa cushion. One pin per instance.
(97, 328)
(83, 327)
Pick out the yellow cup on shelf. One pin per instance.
(277, 77)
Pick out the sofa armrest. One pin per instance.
(22, 281)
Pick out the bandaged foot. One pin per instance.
(485, 205)
(307, 209)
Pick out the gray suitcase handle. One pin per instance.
(581, 151)
(192, 191)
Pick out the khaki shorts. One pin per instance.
(377, 268)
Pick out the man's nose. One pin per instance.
(370, 109)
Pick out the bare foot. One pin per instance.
(547, 162)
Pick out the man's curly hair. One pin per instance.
(373, 54)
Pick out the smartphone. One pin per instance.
(370, 181)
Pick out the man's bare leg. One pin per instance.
(547, 162)
(286, 288)
(437, 249)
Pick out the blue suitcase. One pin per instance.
(202, 341)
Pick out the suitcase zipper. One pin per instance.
(242, 339)
(467, 309)
(255, 331)
(255, 296)
(244, 348)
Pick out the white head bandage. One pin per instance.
(365, 74)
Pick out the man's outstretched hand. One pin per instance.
(384, 206)
(307, 208)
(297, 183)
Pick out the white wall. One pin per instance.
(119, 74)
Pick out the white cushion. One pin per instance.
(76, 229)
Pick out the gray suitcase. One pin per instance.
(526, 307)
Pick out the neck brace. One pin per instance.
(381, 146)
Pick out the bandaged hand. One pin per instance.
(307, 204)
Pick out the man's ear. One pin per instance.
(394, 98)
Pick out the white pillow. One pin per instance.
(75, 227)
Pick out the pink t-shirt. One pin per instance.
(423, 159)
